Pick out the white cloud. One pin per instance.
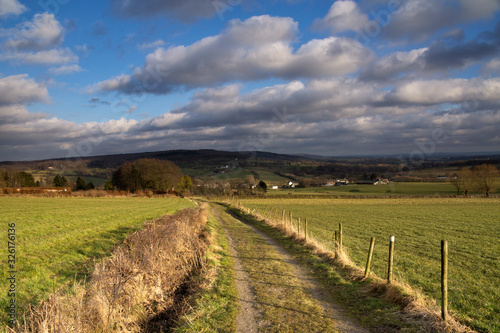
(18, 114)
(19, 89)
(37, 42)
(446, 91)
(491, 67)
(316, 116)
(258, 48)
(418, 19)
(152, 45)
(66, 69)
(11, 7)
(41, 33)
(342, 16)
(396, 63)
(45, 57)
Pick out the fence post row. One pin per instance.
(338, 247)
(391, 259)
(370, 254)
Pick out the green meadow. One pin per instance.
(58, 239)
(471, 227)
(395, 189)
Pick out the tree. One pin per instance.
(25, 179)
(263, 186)
(60, 181)
(90, 186)
(464, 181)
(81, 185)
(185, 183)
(305, 182)
(147, 174)
(485, 176)
(108, 185)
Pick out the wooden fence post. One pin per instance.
(291, 220)
(283, 218)
(444, 279)
(336, 238)
(305, 231)
(298, 226)
(370, 254)
(340, 236)
(391, 259)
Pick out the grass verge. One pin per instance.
(214, 308)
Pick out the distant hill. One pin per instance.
(180, 157)
(272, 167)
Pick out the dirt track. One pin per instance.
(276, 292)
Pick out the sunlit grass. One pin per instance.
(57, 238)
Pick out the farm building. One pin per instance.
(341, 182)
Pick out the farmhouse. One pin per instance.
(341, 182)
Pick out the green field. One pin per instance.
(396, 189)
(58, 238)
(471, 226)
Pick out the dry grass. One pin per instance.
(414, 305)
(139, 288)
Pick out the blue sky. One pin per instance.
(408, 77)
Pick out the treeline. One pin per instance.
(17, 179)
(160, 176)
(9, 178)
(482, 178)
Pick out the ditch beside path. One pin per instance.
(275, 292)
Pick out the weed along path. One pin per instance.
(275, 292)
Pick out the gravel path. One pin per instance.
(252, 310)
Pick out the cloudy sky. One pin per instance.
(407, 77)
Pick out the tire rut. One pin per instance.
(247, 318)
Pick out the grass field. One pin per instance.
(57, 238)
(396, 189)
(471, 226)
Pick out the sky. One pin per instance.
(411, 78)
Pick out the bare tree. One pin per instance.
(486, 176)
(464, 181)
